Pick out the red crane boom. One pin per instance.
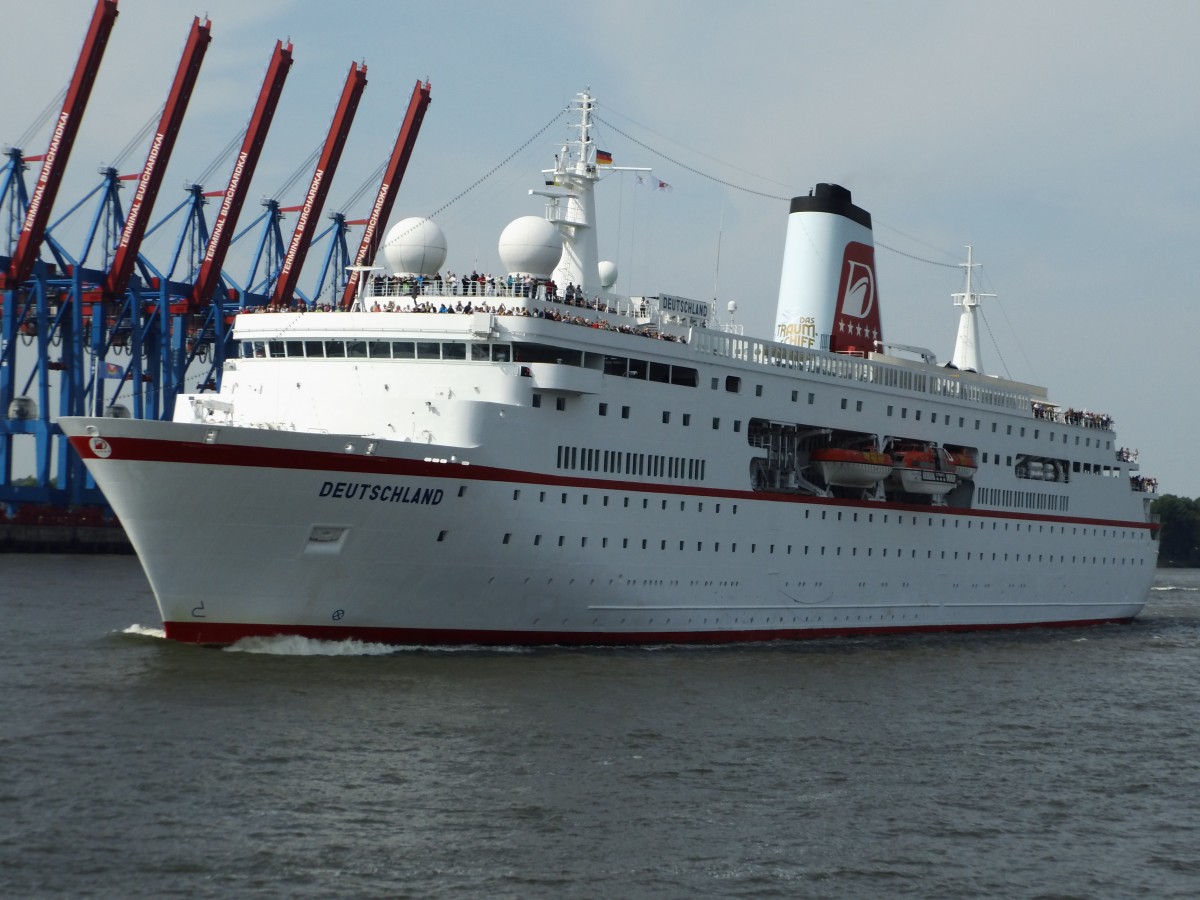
(65, 130)
(156, 160)
(243, 170)
(293, 262)
(392, 177)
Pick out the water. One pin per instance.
(1035, 764)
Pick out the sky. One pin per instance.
(1060, 139)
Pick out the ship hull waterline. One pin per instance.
(302, 537)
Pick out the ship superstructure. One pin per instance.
(541, 460)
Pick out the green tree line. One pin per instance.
(1179, 539)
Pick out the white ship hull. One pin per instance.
(274, 533)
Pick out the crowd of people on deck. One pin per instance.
(1072, 416)
(408, 292)
(477, 285)
(532, 312)
(1146, 485)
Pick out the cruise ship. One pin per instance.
(535, 459)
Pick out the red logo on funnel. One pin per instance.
(856, 323)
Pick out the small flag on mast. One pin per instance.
(603, 158)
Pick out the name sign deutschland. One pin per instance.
(381, 493)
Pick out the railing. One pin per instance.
(406, 294)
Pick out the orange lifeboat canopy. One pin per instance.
(851, 468)
(964, 465)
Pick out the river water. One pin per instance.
(1046, 763)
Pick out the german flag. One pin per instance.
(603, 158)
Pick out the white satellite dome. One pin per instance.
(608, 274)
(415, 246)
(530, 246)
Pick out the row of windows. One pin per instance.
(716, 507)
(1023, 499)
(839, 515)
(685, 419)
(854, 368)
(621, 366)
(807, 550)
(616, 462)
(962, 423)
(370, 349)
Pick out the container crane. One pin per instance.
(142, 204)
(318, 189)
(61, 141)
(392, 176)
(239, 180)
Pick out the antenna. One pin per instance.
(967, 355)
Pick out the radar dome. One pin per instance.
(415, 246)
(530, 246)
(608, 274)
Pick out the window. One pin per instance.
(604, 409)
(666, 417)
(560, 403)
(624, 412)
(733, 384)
(537, 401)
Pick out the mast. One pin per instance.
(572, 207)
(967, 354)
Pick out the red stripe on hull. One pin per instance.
(240, 455)
(221, 634)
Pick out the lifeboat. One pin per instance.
(964, 465)
(851, 468)
(924, 470)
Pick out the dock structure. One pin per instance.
(83, 325)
